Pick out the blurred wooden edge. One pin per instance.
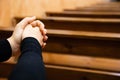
(79, 63)
(3, 79)
(73, 19)
(77, 34)
(85, 13)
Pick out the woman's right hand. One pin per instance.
(34, 32)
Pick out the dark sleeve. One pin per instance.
(5, 50)
(30, 65)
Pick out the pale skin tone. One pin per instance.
(28, 27)
(34, 32)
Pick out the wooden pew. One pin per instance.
(84, 14)
(67, 72)
(101, 9)
(81, 24)
(108, 4)
(108, 7)
(84, 43)
(91, 42)
(97, 44)
(72, 51)
(96, 9)
(76, 65)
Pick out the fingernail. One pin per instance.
(45, 31)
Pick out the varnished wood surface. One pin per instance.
(108, 4)
(83, 46)
(108, 7)
(103, 7)
(81, 24)
(56, 46)
(37, 8)
(84, 14)
(72, 51)
(53, 72)
(79, 62)
(105, 20)
(67, 72)
(77, 54)
(85, 34)
(70, 33)
(82, 61)
(94, 10)
(83, 42)
(3, 78)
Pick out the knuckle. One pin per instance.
(26, 18)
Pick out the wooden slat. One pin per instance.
(80, 63)
(98, 47)
(70, 73)
(83, 19)
(6, 28)
(81, 24)
(84, 14)
(108, 4)
(80, 43)
(91, 13)
(76, 66)
(3, 78)
(85, 34)
(94, 10)
(82, 70)
(103, 7)
(70, 33)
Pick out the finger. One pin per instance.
(39, 24)
(45, 31)
(34, 23)
(42, 27)
(26, 21)
(45, 38)
(44, 44)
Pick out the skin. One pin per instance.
(34, 32)
(42, 30)
(24, 26)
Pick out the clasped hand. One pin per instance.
(28, 27)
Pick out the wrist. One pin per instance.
(13, 44)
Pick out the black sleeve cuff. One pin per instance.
(30, 44)
(5, 50)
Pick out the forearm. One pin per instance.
(30, 65)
